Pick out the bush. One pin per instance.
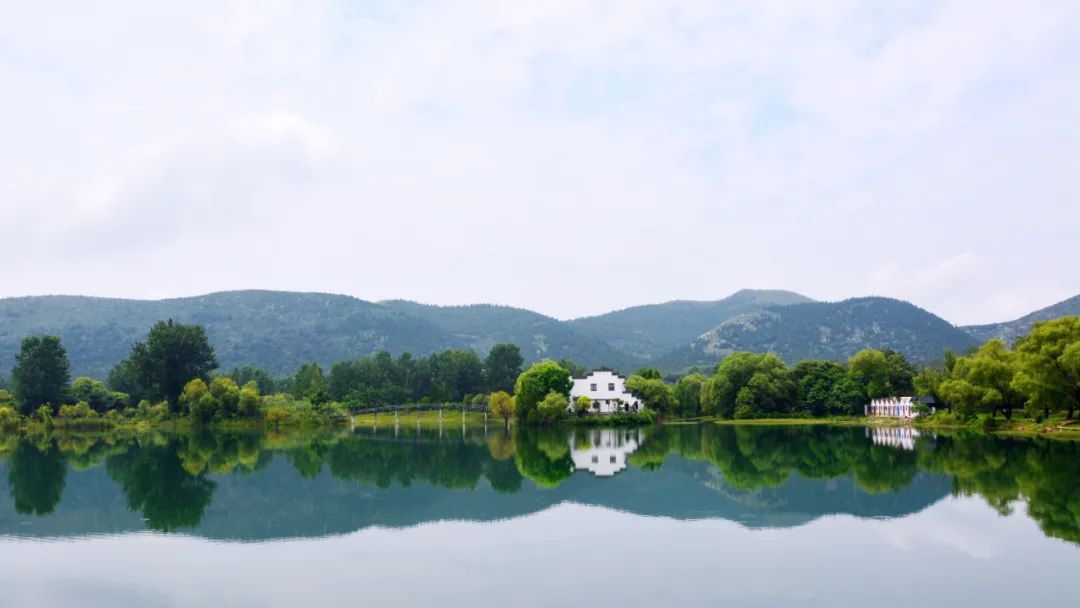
(8, 417)
(43, 414)
(80, 410)
(552, 409)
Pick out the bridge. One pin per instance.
(416, 408)
(419, 407)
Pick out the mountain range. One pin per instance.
(278, 331)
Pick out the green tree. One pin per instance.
(816, 385)
(41, 373)
(249, 405)
(552, 408)
(247, 373)
(502, 366)
(309, 382)
(984, 381)
(172, 355)
(883, 373)
(688, 394)
(582, 405)
(649, 373)
(197, 401)
(534, 384)
(502, 405)
(94, 393)
(748, 385)
(654, 394)
(575, 370)
(226, 397)
(123, 379)
(1049, 363)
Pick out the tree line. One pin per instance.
(173, 372)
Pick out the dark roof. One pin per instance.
(600, 369)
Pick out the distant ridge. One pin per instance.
(1009, 331)
(824, 330)
(280, 330)
(655, 329)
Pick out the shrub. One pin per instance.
(81, 409)
(552, 408)
(8, 417)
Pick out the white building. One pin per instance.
(894, 407)
(607, 391)
(603, 452)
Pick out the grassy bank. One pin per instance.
(1053, 427)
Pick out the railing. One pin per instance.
(420, 407)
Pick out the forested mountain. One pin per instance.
(278, 331)
(1009, 331)
(825, 330)
(482, 326)
(655, 329)
(274, 330)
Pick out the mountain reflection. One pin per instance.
(258, 486)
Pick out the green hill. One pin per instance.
(824, 330)
(655, 329)
(1009, 331)
(481, 326)
(280, 330)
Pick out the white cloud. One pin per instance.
(459, 152)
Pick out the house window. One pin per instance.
(611, 386)
(612, 459)
(592, 387)
(595, 459)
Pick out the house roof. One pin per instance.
(598, 370)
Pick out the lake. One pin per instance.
(694, 515)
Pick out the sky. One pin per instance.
(567, 156)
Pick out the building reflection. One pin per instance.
(603, 452)
(902, 437)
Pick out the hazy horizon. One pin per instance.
(567, 157)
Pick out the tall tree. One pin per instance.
(984, 380)
(688, 394)
(502, 405)
(172, 355)
(746, 385)
(534, 384)
(309, 382)
(1050, 364)
(41, 374)
(502, 366)
(247, 373)
(654, 394)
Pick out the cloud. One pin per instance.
(460, 152)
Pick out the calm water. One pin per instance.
(679, 516)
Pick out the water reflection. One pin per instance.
(258, 486)
(603, 452)
(903, 437)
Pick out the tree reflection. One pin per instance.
(167, 479)
(36, 478)
(158, 485)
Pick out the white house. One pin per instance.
(895, 407)
(607, 391)
(603, 452)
